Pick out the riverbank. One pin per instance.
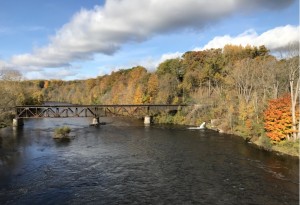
(4, 123)
(290, 148)
(285, 147)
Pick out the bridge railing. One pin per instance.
(63, 111)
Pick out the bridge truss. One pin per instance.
(65, 111)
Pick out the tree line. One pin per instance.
(239, 85)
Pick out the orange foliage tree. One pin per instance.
(278, 119)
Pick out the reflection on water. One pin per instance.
(124, 162)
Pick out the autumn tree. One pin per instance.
(292, 66)
(171, 66)
(138, 95)
(152, 87)
(90, 83)
(278, 119)
(213, 69)
(10, 88)
(167, 89)
(244, 77)
(12, 93)
(46, 85)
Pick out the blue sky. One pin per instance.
(78, 39)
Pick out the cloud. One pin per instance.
(49, 74)
(104, 29)
(167, 56)
(5, 66)
(150, 63)
(276, 39)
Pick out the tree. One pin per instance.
(10, 87)
(11, 92)
(138, 95)
(278, 119)
(152, 87)
(46, 85)
(167, 89)
(244, 77)
(90, 83)
(171, 66)
(263, 51)
(292, 67)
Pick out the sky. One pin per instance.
(78, 39)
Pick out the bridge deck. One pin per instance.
(63, 111)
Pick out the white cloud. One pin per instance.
(105, 29)
(167, 56)
(151, 63)
(274, 39)
(49, 74)
(5, 66)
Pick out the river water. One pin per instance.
(124, 162)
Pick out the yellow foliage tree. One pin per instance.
(152, 87)
(138, 95)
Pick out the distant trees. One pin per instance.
(10, 88)
(13, 92)
(236, 82)
(171, 66)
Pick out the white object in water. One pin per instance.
(201, 127)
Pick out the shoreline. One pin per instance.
(275, 148)
(257, 142)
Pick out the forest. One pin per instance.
(246, 91)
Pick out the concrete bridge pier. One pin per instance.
(96, 121)
(147, 120)
(17, 122)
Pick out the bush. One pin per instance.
(62, 132)
(265, 142)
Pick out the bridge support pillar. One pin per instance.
(17, 122)
(147, 120)
(96, 121)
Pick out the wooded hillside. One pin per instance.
(236, 83)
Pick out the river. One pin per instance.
(124, 162)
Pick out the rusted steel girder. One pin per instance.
(64, 111)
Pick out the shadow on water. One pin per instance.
(125, 162)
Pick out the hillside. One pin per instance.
(236, 83)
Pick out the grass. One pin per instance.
(288, 147)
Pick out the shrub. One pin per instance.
(62, 132)
(265, 142)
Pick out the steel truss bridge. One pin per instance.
(65, 111)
